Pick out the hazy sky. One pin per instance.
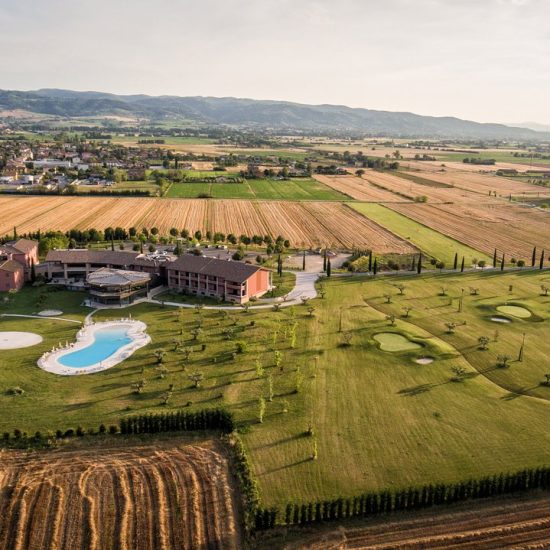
(485, 60)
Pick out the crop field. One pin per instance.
(303, 223)
(512, 229)
(483, 183)
(409, 189)
(294, 189)
(358, 188)
(517, 522)
(214, 190)
(431, 242)
(379, 419)
(158, 495)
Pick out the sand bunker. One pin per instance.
(17, 340)
(50, 313)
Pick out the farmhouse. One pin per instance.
(22, 251)
(224, 279)
(69, 266)
(11, 275)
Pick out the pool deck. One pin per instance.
(86, 337)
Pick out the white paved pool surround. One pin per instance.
(85, 337)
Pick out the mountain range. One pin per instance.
(261, 114)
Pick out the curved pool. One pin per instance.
(107, 341)
(98, 346)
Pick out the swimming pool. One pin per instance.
(106, 342)
(99, 346)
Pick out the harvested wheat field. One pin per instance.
(358, 188)
(493, 524)
(160, 496)
(483, 183)
(512, 229)
(307, 223)
(434, 190)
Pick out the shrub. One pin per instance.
(241, 346)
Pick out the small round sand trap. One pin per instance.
(424, 360)
(16, 340)
(50, 313)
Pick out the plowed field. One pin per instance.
(489, 525)
(140, 497)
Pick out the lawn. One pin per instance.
(431, 242)
(379, 419)
(283, 284)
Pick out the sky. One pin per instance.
(483, 60)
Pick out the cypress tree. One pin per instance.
(303, 514)
(33, 272)
(325, 260)
(375, 266)
(541, 264)
(304, 261)
(419, 264)
(455, 263)
(534, 257)
(112, 243)
(296, 515)
(495, 258)
(329, 268)
(462, 265)
(318, 514)
(502, 263)
(288, 513)
(413, 265)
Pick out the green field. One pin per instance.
(216, 190)
(379, 419)
(293, 189)
(431, 242)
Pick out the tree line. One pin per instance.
(206, 419)
(413, 498)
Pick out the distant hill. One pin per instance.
(257, 113)
(532, 126)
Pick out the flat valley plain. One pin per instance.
(375, 419)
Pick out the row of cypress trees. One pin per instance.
(414, 498)
(209, 419)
